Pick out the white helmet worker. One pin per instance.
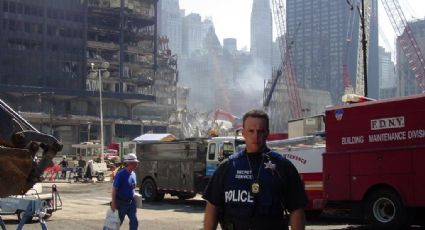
(131, 157)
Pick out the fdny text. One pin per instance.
(387, 123)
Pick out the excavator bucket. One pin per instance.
(15, 166)
(19, 144)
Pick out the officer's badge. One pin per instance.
(255, 187)
(270, 165)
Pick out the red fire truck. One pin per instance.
(375, 158)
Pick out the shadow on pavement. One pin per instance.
(190, 206)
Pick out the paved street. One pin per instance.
(85, 205)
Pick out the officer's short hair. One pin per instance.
(257, 114)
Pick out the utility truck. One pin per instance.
(371, 162)
(181, 168)
(374, 159)
(305, 153)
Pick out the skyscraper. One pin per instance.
(373, 59)
(170, 23)
(192, 34)
(407, 81)
(387, 79)
(319, 32)
(55, 56)
(261, 34)
(230, 44)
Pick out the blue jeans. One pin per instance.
(128, 208)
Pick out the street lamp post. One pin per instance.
(104, 67)
(88, 131)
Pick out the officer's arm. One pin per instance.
(210, 217)
(297, 219)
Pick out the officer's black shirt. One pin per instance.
(295, 196)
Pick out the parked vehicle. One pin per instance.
(180, 168)
(41, 204)
(372, 161)
(90, 151)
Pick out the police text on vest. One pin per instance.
(238, 196)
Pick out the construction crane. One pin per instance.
(407, 40)
(364, 11)
(346, 78)
(286, 68)
(361, 74)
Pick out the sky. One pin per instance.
(232, 18)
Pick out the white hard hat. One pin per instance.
(131, 157)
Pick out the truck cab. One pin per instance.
(220, 148)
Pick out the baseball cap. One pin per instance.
(131, 157)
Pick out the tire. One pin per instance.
(48, 215)
(149, 191)
(100, 177)
(21, 215)
(160, 196)
(384, 210)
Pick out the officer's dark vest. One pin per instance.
(240, 202)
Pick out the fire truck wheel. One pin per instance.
(384, 210)
(150, 192)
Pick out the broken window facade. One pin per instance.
(42, 43)
(122, 33)
(46, 51)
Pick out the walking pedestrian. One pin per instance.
(123, 191)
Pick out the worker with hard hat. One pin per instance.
(124, 189)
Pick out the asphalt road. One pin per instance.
(85, 206)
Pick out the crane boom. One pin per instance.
(407, 40)
(279, 13)
(365, 13)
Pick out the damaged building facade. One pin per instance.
(54, 52)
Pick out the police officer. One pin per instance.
(254, 188)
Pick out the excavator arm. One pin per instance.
(19, 144)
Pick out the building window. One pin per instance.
(19, 8)
(12, 7)
(27, 10)
(12, 25)
(5, 6)
(27, 27)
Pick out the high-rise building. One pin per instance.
(192, 34)
(42, 45)
(387, 77)
(206, 25)
(318, 30)
(276, 54)
(373, 53)
(230, 44)
(53, 54)
(170, 24)
(261, 34)
(407, 81)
